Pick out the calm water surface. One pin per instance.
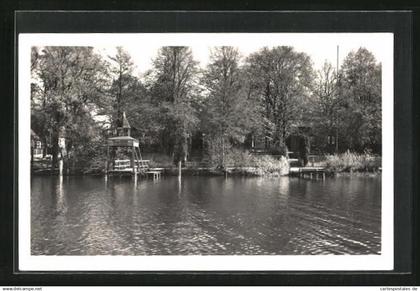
(205, 215)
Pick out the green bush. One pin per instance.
(238, 158)
(271, 165)
(352, 162)
(88, 159)
(244, 162)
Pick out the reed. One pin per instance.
(353, 162)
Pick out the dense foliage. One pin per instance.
(68, 84)
(177, 105)
(281, 79)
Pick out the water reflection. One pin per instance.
(205, 216)
(179, 188)
(61, 207)
(284, 185)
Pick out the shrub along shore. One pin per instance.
(352, 163)
(240, 164)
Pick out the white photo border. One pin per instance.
(28, 262)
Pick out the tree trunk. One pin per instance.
(54, 149)
(223, 152)
(44, 148)
(185, 149)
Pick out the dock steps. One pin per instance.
(155, 174)
(308, 172)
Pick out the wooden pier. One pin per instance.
(155, 173)
(123, 167)
(308, 172)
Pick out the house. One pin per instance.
(37, 147)
(298, 144)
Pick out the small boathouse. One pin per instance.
(122, 144)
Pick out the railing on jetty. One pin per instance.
(126, 164)
(141, 167)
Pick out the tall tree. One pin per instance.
(282, 78)
(361, 100)
(40, 120)
(228, 111)
(173, 90)
(67, 82)
(326, 108)
(125, 88)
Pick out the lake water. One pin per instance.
(205, 216)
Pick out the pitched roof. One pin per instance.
(125, 123)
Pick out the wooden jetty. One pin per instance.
(308, 172)
(133, 166)
(123, 167)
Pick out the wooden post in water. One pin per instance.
(135, 176)
(132, 160)
(60, 167)
(134, 165)
(179, 187)
(179, 170)
(107, 162)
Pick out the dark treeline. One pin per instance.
(269, 95)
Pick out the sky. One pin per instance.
(320, 47)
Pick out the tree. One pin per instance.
(281, 79)
(125, 88)
(326, 107)
(174, 90)
(66, 86)
(228, 112)
(361, 101)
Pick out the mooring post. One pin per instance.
(132, 160)
(60, 167)
(107, 162)
(106, 169)
(179, 170)
(135, 179)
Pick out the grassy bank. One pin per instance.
(236, 163)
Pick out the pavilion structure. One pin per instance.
(135, 164)
(123, 140)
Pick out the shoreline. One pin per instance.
(231, 171)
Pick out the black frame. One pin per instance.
(398, 22)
